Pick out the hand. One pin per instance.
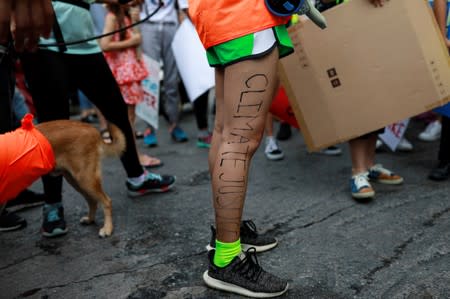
(447, 42)
(378, 3)
(32, 19)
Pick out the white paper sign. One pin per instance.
(394, 133)
(148, 109)
(190, 56)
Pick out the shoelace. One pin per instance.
(53, 216)
(153, 176)
(249, 266)
(361, 180)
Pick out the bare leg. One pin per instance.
(244, 94)
(358, 153)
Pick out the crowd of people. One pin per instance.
(245, 55)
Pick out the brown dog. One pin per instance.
(78, 149)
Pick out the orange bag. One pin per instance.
(25, 155)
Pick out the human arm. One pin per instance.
(440, 12)
(31, 19)
(107, 44)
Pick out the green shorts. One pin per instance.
(251, 46)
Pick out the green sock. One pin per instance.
(225, 252)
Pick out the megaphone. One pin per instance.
(284, 8)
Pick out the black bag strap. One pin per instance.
(58, 35)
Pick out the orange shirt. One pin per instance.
(25, 155)
(219, 21)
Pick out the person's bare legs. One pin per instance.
(144, 159)
(362, 152)
(244, 94)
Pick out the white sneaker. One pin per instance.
(379, 144)
(405, 145)
(331, 151)
(273, 151)
(432, 132)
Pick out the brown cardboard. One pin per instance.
(370, 68)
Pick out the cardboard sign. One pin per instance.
(148, 109)
(394, 133)
(370, 68)
(190, 56)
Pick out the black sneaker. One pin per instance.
(249, 238)
(26, 199)
(244, 276)
(10, 221)
(54, 224)
(153, 183)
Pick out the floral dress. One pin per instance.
(128, 70)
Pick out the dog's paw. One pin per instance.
(86, 220)
(103, 233)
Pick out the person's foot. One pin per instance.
(152, 183)
(204, 141)
(441, 172)
(149, 161)
(382, 175)
(178, 135)
(284, 132)
(26, 199)
(272, 150)
(432, 132)
(244, 276)
(249, 238)
(331, 151)
(360, 186)
(150, 138)
(11, 221)
(54, 224)
(404, 145)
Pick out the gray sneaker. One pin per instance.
(244, 276)
(249, 238)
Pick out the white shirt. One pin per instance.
(167, 13)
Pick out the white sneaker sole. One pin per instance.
(245, 247)
(228, 287)
(363, 195)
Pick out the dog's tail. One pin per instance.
(118, 144)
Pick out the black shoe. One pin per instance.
(284, 132)
(11, 221)
(244, 276)
(54, 224)
(153, 183)
(26, 199)
(440, 172)
(249, 238)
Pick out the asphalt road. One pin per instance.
(397, 246)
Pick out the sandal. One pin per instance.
(106, 136)
(150, 162)
(139, 135)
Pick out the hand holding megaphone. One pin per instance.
(284, 8)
